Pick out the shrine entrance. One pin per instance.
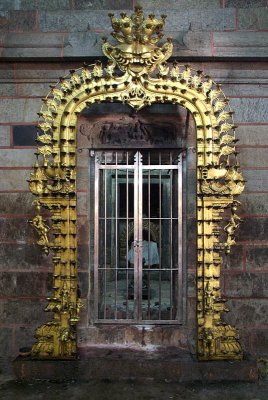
(137, 236)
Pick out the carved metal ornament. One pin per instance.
(53, 180)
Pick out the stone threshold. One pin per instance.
(113, 363)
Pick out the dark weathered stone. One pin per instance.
(259, 344)
(22, 256)
(32, 45)
(253, 157)
(240, 44)
(110, 363)
(184, 4)
(256, 258)
(13, 229)
(22, 284)
(16, 158)
(82, 44)
(14, 180)
(253, 229)
(5, 135)
(234, 260)
(12, 203)
(250, 110)
(257, 181)
(76, 21)
(34, 5)
(19, 110)
(103, 4)
(255, 135)
(83, 257)
(237, 89)
(6, 341)
(247, 312)
(23, 311)
(256, 18)
(8, 89)
(190, 43)
(19, 21)
(243, 3)
(35, 89)
(246, 284)
(253, 203)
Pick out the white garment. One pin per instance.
(146, 254)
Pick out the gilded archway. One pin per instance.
(145, 78)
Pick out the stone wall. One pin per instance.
(39, 42)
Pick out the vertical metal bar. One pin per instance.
(105, 236)
(116, 232)
(140, 222)
(180, 238)
(160, 239)
(127, 205)
(96, 241)
(149, 237)
(171, 241)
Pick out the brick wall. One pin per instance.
(42, 40)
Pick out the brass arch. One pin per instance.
(53, 181)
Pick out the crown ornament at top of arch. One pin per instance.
(137, 52)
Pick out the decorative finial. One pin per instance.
(137, 52)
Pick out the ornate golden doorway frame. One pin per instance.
(53, 180)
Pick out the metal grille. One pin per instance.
(138, 236)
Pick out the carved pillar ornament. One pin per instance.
(145, 79)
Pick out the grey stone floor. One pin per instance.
(45, 390)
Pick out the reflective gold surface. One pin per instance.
(53, 180)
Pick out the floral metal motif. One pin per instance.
(53, 180)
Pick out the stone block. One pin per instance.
(253, 229)
(83, 257)
(246, 284)
(190, 43)
(75, 21)
(82, 203)
(16, 229)
(82, 230)
(259, 343)
(23, 337)
(233, 261)
(256, 258)
(34, 89)
(36, 5)
(32, 45)
(247, 312)
(4, 135)
(83, 282)
(239, 89)
(253, 135)
(19, 110)
(255, 19)
(253, 203)
(6, 336)
(43, 72)
(82, 44)
(18, 21)
(250, 110)
(257, 181)
(14, 180)
(210, 19)
(103, 4)
(16, 203)
(233, 72)
(22, 256)
(22, 284)
(17, 158)
(240, 44)
(243, 3)
(23, 311)
(82, 179)
(184, 4)
(253, 157)
(7, 89)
